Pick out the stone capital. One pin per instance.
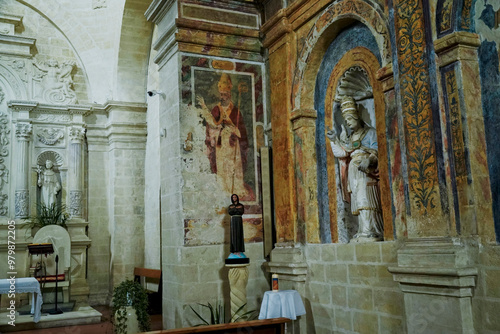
(76, 134)
(303, 118)
(24, 131)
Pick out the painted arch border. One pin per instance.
(358, 10)
(364, 58)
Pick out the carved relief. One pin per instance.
(414, 79)
(4, 172)
(21, 199)
(75, 203)
(2, 95)
(53, 118)
(76, 134)
(49, 155)
(50, 136)
(354, 82)
(56, 81)
(23, 131)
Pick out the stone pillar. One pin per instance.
(288, 261)
(304, 133)
(471, 190)
(437, 277)
(281, 41)
(76, 135)
(23, 134)
(238, 280)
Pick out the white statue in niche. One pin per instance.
(358, 158)
(47, 181)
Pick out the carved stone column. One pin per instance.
(76, 135)
(23, 134)
(238, 279)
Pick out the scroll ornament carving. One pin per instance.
(75, 199)
(50, 136)
(23, 131)
(76, 134)
(21, 200)
(56, 80)
(54, 118)
(3, 205)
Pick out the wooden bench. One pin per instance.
(145, 276)
(267, 326)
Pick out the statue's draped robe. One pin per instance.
(359, 188)
(50, 186)
(236, 230)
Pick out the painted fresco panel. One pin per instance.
(222, 123)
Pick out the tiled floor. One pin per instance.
(104, 327)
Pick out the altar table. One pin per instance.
(285, 303)
(25, 285)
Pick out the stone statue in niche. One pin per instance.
(357, 152)
(236, 210)
(48, 183)
(57, 81)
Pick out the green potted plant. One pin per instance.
(130, 297)
(49, 215)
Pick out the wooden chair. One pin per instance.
(148, 277)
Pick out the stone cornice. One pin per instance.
(157, 10)
(11, 19)
(17, 46)
(36, 107)
(462, 38)
(219, 28)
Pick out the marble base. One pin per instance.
(84, 315)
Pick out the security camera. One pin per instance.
(155, 92)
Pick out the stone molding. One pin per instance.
(17, 46)
(458, 46)
(303, 118)
(289, 263)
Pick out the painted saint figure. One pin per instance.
(50, 186)
(236, 210)
(358, 160)
(226, 139)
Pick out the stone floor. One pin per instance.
(102, 327)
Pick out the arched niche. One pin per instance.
(372, 106)
(363, 59)
(330, 22)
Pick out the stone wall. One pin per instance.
(349, 289)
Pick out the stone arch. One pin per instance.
(11, 81)
(134, 48)
(84, 46)
(328, 24)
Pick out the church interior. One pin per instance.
(357, 135)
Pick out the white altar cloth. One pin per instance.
(285, 303)
(24, 285)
